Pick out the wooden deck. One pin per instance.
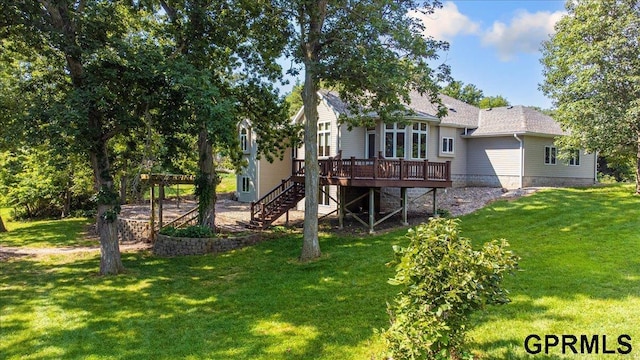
(379, 173)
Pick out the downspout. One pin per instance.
(595, 168)
(521, 158)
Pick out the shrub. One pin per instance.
(444, 280)
(196, 231)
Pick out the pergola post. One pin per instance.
(160, 198)
(152, 217)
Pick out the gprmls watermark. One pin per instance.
(578, 344)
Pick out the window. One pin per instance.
(246, 184)
(574, 160)
(323, 196)
(550, 155)
(244, 140)
(419, 133)
(394, 140)
(324, 139)
(447, 145)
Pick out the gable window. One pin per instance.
(550, 153)
(394, 140)
(246, 184)
(419, 145)
(447, 145)
(324, 139)
(244, 140)
(574, 160)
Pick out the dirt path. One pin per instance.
(7, 252)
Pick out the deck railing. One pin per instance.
(382, 169)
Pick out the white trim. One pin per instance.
(521, 160)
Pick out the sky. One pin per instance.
(495, 44)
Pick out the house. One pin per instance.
(510, 147)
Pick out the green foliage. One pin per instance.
(443, 282)
(591, 69)
(468, 93)
(492, 102)
(39, 183)
(195, 231)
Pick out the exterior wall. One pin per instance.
(537, 173)
(352, 143)
(493, 162)
(271, 175)
(458, 158)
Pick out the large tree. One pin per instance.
(592, 72)
(468, 93)
(373, 53)
(222, 59)
(88, 69)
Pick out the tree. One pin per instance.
(221, 53)
(468, 93)
(2, 227)
(372, 52)
(89, 69)
(492, 102)
(592, 72)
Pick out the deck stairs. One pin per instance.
(276, 203)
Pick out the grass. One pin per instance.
(226, 185)
(580, 252)
(45, 233)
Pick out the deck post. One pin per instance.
(401, 169)
(448, 170)
(435, 206)
(375, 168)
(353, 167)
(341, 197)
(372, 209)
(152, 217)
(425, 170)
(405, 203)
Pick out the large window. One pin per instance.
(550, 153)
(246, 184)
(244, 140)
(574, 160)
(419, 145)
(324, 139)
(394, 140)
(447, 145)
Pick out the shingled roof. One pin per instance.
(499, 121)
(515, 120)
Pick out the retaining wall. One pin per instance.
(178, 246)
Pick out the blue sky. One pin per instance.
(495, 44)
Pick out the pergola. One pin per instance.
(161, 180)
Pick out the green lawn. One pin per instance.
(580, 252)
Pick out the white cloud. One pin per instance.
(447, 22)
(525, 33)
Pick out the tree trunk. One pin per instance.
(206, 183)
(638, 167)
(107, 218)
(2, 228)
(310, 243)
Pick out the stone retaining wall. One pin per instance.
(131, 230)
(177, 246)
